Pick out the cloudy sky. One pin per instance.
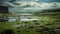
(23, 5)
(35, 0)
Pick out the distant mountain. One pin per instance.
(49, 10)
(52, 10)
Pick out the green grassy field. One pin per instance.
(45, 25)
(31, 27)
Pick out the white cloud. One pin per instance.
(58, 4)
(35, 5)
(44, 5)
